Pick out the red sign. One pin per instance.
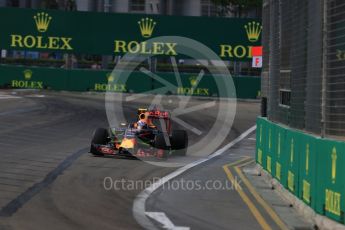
(256, 51)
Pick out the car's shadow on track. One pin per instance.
(151, 159)
(116, 157)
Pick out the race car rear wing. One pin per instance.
(155, 113)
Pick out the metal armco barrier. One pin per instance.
(137, 82)
(308, 166)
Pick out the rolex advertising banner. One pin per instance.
(310, 167)
(260, 155)
(24, 77)
(119, 34)
(330, 178)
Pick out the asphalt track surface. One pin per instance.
(48, 180)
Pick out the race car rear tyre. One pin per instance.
(179, 141)
(99, 138)
(160, 142)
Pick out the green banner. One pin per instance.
(280, 154)
(137, 82)
(118, 34)
(308, 166)
(307, 169)
(259, 141)
(330, 175)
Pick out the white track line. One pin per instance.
(4, 97)
(165, 221)
(139, 211)
(36, 95)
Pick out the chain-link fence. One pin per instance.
(304, 64)
(335, 68)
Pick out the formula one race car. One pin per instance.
(149, 136)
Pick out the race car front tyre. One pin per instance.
(179, 142)
(99, 138)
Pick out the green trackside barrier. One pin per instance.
(294, 141)
(276, 154)
(270, 149)
(330, 179)
(136, 82)
(247, 87)
(34, 78)
(189, 85)
(111, 82)
(280, 153)
(260, 135)
(263, 129)
(309, 167)
(208, 86)
(86, 80)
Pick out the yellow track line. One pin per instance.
(245, 198)
(244, 164)
(260, 200)
(237, 162)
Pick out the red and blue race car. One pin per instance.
(150, 136)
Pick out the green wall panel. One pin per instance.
(131, 82)
(80, 32)
(311, 168)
